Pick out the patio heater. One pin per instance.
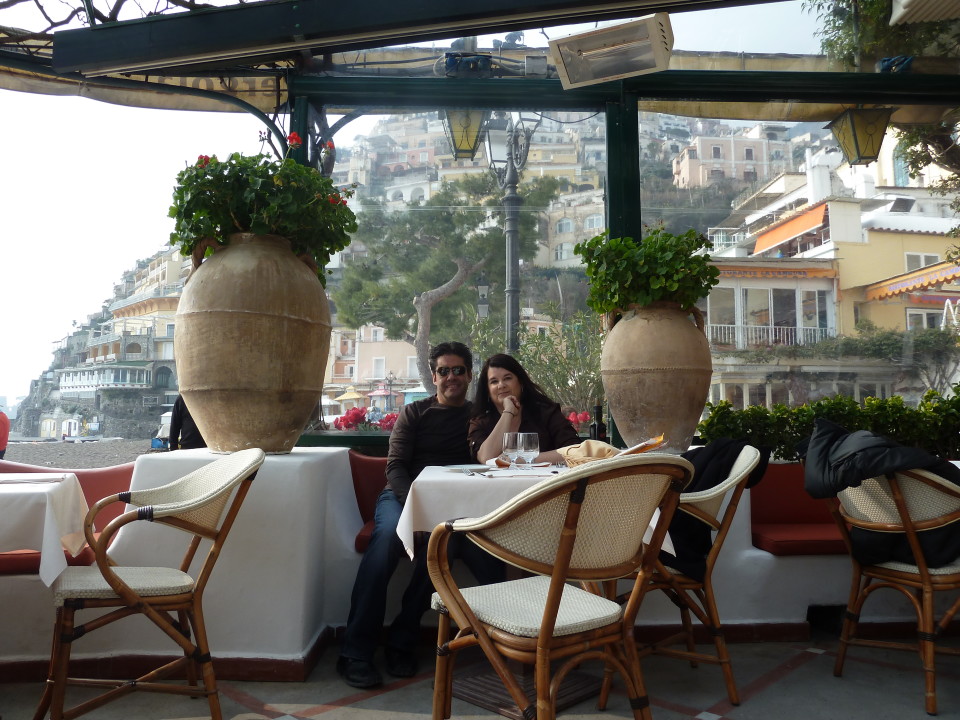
(507, 144)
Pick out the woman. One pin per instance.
(509, 401)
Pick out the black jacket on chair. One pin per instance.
(835, 459)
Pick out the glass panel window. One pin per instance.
(722, 310)
(915, 261)
(593, 222)
(412, 367)
(784, 308)
(379, 367)
(563, 251)
(813, 304)
(756, 306)
(920, 319)
(564, 225)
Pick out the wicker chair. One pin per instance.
(584, 525)
(198, 504)
(692, 595)
(904, 502)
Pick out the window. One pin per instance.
(349, 370)
(565, 225)
(748, 154)
(813, 306)
(920, 319)
(379, 367)
(756, 306)
(915, 261)
(691, 153)
(750, 175)
(716, 152)
(593, 222)
(563, 251)
(376, 334)
(397, 196)
(424, 156)
(717, 174)
(412, 370)
(721, 307)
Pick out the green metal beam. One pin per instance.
(259, 32)
(704, 85)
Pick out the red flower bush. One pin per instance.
(388, 421)
(356, 419)
(577, 419)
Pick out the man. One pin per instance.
(432, 431)
(184, 434)
(4, 433)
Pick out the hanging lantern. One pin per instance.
(860, 133)
(463, 129)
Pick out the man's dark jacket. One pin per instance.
(835, 459)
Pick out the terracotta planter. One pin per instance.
(251, 345)
(656, 370)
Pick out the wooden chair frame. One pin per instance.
(890, 504)
(196, 504)
(691, 595)
(502, 533)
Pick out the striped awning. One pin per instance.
(932, 276)
(794, 227)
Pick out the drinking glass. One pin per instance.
(511, 447)
(529, 444)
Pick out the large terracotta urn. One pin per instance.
(656, 368)
(251, 344)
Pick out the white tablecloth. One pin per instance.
(288, 565)
(45, 512)
(440, 493)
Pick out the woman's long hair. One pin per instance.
(532, 396)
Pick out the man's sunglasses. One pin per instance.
(458, 370)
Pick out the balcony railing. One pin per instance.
(743, 337)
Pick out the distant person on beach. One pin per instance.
(4, 433)
(184, 434)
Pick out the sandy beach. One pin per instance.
(69, 455)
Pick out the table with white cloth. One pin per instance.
(45, 512)
(286, 569)
(443, 493)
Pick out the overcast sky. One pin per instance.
(85, 186)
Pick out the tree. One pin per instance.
(415, 280)
(858, 32)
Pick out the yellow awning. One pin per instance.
(923, 279)
(794, 227)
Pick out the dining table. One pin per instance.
(44, 512)
(447, 492)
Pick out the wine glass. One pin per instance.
(511, 447)
(529, 444)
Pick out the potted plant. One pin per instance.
(655, 364)
(253, 322)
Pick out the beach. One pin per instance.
(71, 455)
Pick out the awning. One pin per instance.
(931, 276)
(794, 227)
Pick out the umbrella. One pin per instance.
(350, 394)
(328, 402)
(380, 392)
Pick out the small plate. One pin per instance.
(467, 468)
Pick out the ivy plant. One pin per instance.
(661, 266)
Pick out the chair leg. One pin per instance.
(720, 643)
(442, 680)
(928, 651)
(688, 632)
(55, 652)
(205, 663)
(641, 703)
(185, 624)
(849, 630)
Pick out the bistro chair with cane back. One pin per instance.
(694, 594)
(198, 504)
(920, 505)
(586, 524)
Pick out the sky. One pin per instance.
(85, 186)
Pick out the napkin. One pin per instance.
(598, 450)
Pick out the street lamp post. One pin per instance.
(483, 304)
(390, 380)
(507, 144)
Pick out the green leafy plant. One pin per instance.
(215, 198)
(660, 267)
(932, 425)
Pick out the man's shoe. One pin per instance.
(358, 673)
(400, 663)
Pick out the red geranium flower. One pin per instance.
(584, 416)
(294, 140)
(203, 160)
(329, 145)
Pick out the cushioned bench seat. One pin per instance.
(785, 520)
(96, 483)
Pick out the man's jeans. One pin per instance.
(369, 599)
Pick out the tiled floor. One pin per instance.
(777, 681)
